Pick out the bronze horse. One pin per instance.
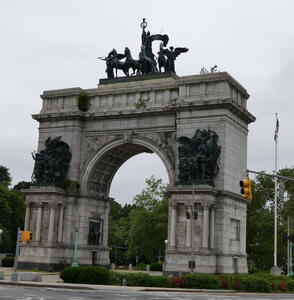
(135, 64)
(116, 64)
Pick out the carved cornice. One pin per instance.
(53, 204)
(169, 109)
(39, 204)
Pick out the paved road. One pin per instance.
(31, 293)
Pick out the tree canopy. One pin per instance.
(139, 230)
(260, 221)
(12, 211)
(5, 179)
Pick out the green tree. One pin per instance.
(5, 178)
(12, 211)
(260, 221)
(148, 222)
(22, 185)
(119, 223)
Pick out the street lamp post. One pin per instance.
(75, 262)
(14, 275)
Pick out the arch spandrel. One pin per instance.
(104, 164)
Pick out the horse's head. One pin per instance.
(113, 52)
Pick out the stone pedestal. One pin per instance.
(275, 270)
(52, 215)
(214, 236)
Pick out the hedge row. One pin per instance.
(88, 275)
(8, 261)
(260, 282)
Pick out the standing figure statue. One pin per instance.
(171, 55)
(147, 40)
(109, 68)
(162, 61)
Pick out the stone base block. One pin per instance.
(275, 270)
(45, 258)
(30, 276)
(1, 275)
(178, 264)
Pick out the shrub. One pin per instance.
(290, 283)
(137, 279)
(236, 285)
(156, 267)
(161, 281)
(140, 267)
(202, 281)
(255, 284)
(94, 275)
(8, 261)
(225, 284)
(143, 279)
(179, 282)
(274, 280)
(70, 274)
(114, 278)
(283, 286)
(83, 101)
(274, 285)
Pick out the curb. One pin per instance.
(109, 287)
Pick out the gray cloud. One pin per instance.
(55, 44)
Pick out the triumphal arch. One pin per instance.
(196, 124)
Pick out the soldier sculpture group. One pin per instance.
(147, 62)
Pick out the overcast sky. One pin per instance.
(54, 44)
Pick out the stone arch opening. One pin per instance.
(130, 178)
(103, 166)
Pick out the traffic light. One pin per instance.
(25, 235)
(246, 188)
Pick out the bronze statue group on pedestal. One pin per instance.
(147, 63)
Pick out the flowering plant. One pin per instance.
(225, 283)
(283, 286)
(180, 283)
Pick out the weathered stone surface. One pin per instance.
(126, 118)
(1, 275)
(30, 276)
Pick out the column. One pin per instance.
(60, 223)
(39, 221)
(105, 226)
(27, 218)
(211, 233)
(173, 225)
(51, 222)
(189, 229)
(205, 226)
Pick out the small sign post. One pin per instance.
(192, 265)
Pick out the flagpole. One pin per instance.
(276, 197)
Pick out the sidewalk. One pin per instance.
(48, 277)
(52, 280)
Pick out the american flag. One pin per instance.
(276, 131)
